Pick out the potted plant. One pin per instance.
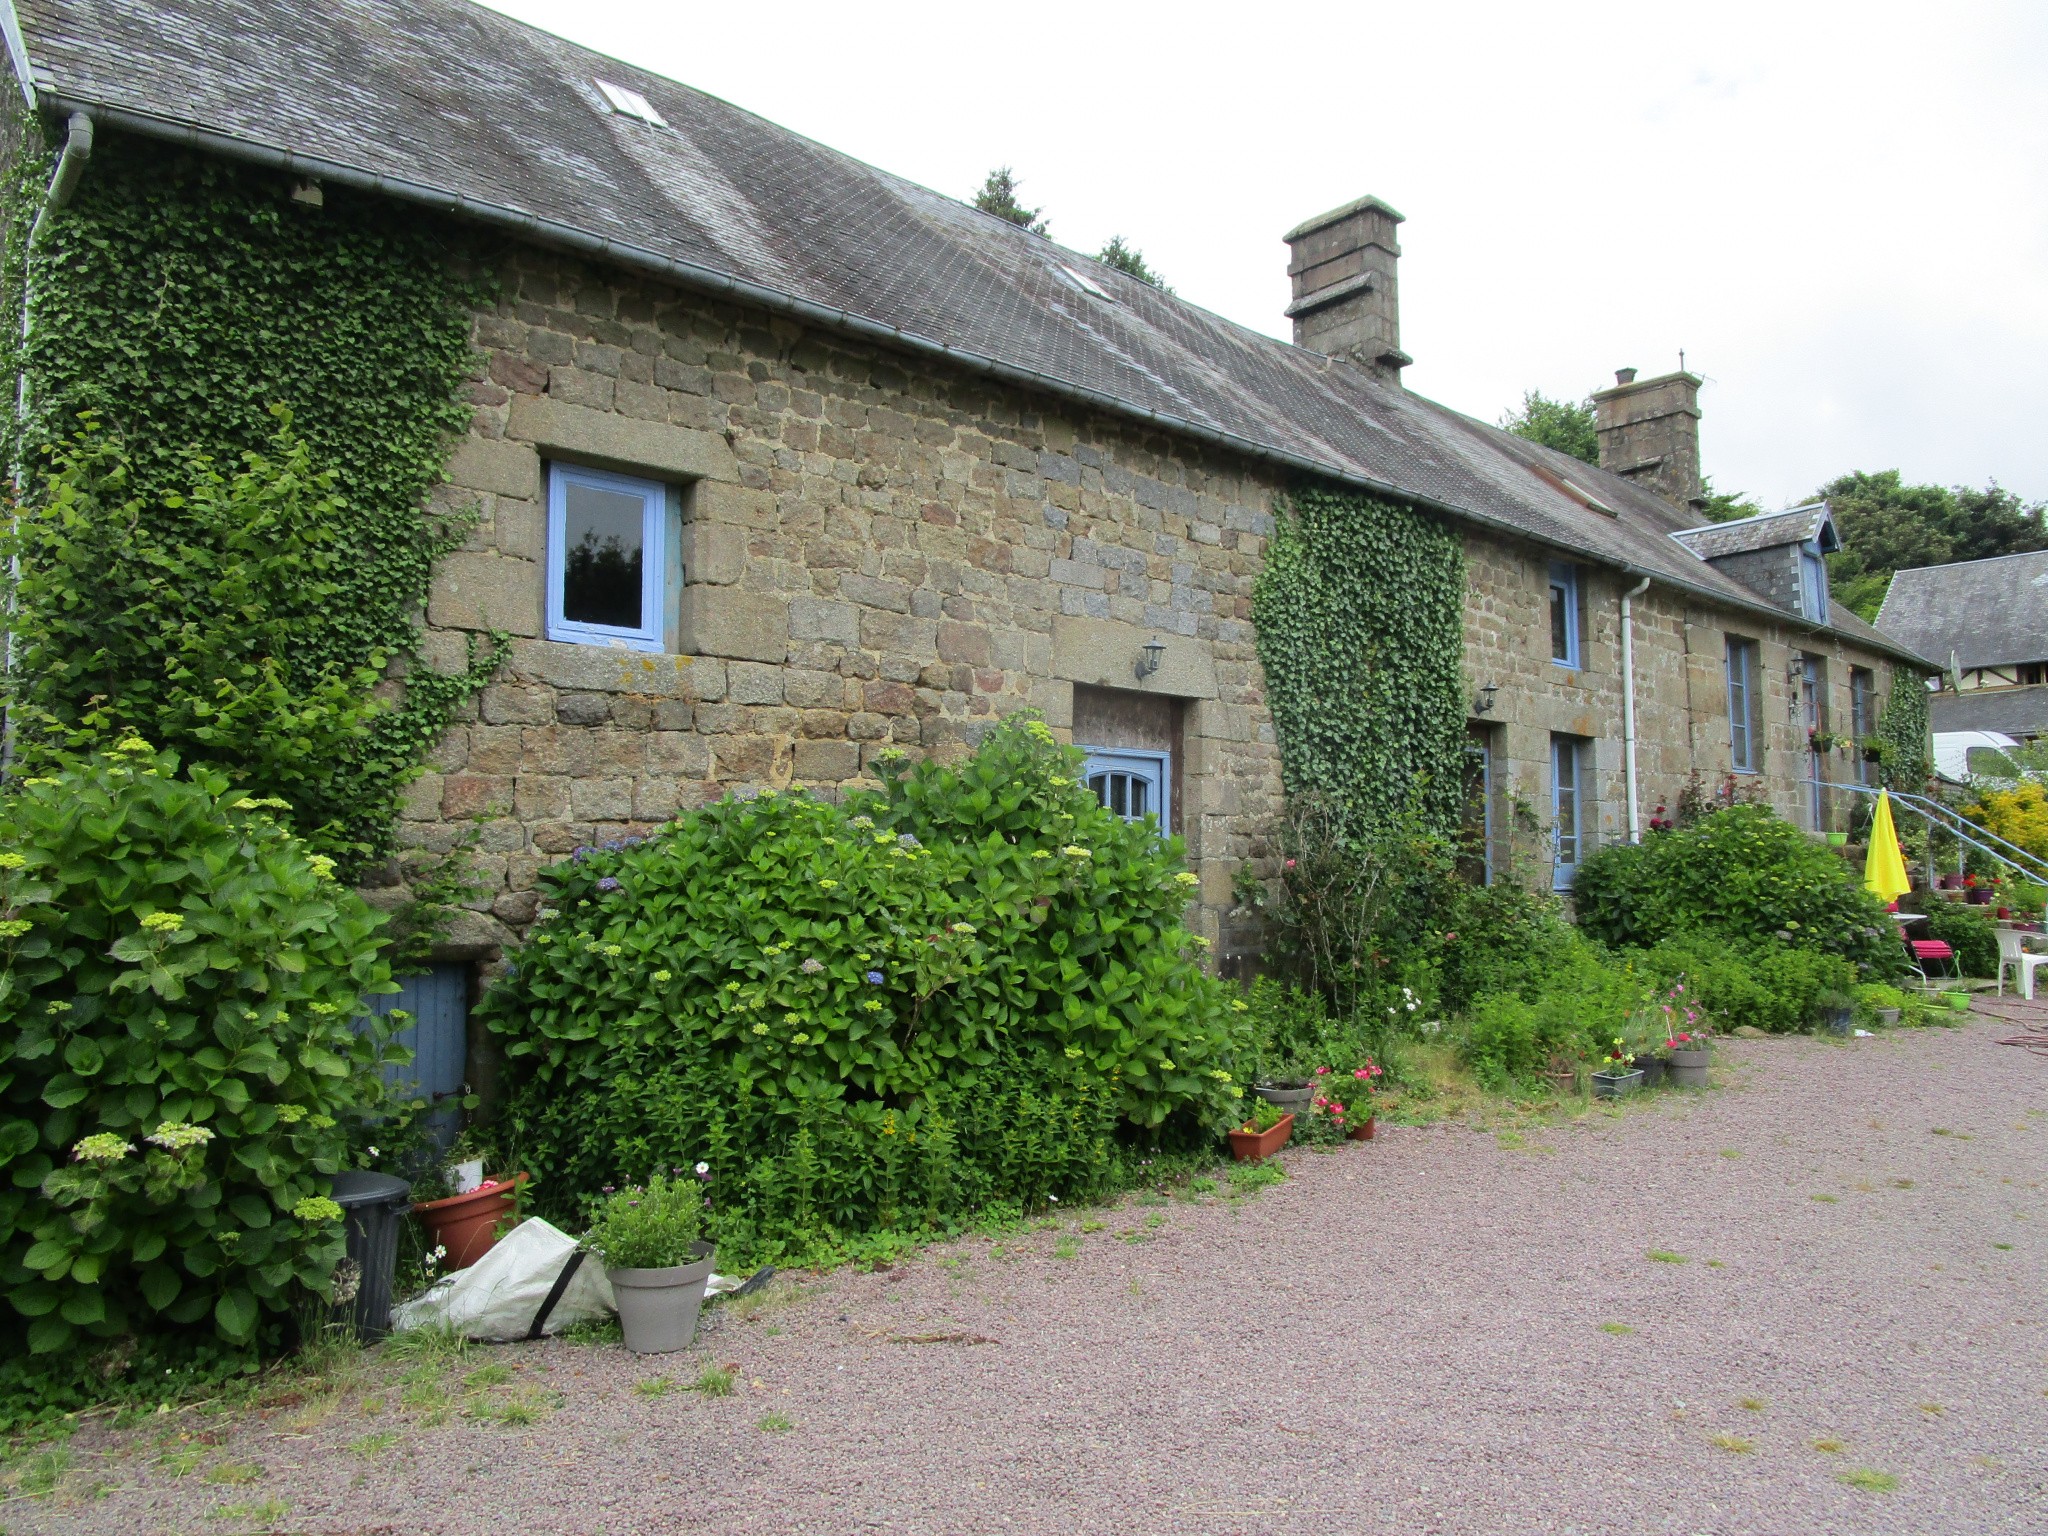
(1365, 1124)
(650, 1238)
(1562, 1074)
(1959, 1000)
(468, 1225)
(1837, 1011)
(1262, 1135)
(1288, 1092)
(1838, 839)
(467, 1161)
(1618, 1072)
(1685, 1057)
(1883, 1005)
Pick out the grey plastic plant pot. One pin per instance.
(372, 1204)
(1687, 1069)
(658, 1307)
(1289, 1099)
(1612, 1085)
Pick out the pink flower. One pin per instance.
(1321, 1070)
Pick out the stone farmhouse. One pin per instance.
(892, 467)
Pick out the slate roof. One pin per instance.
(1989, 612)
(2018, 712)
(1767, 530)
(447, 103)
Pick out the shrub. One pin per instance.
(178, 1068)
(1287, 1033)
(1971, 931)
(649, 1226)
(1586, 1000)
(1504, 937)
(1774, 988)
(960, 989)
(2019, 814)
(1501, 1040)
(1743, 875)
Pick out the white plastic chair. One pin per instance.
(2012, 951)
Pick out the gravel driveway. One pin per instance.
(1808, 1302)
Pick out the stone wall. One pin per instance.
(878, 554)
(873, 557)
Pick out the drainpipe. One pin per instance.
(1628, 706)
(63, 182)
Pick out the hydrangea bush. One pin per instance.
(179, 1071)
(964, 987)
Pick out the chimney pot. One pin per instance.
(1346, 299)
(1649, 432)
(1624, 375)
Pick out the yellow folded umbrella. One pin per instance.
(1884, 872)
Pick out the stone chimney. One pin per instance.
(1650, 433)
(1347, 300)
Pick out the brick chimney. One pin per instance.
(1347, 300)
(1650, 433)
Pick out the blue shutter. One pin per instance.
(438, 1036)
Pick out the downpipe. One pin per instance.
(1628, 705)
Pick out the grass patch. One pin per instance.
(1735, 1445)
(774, 1423)
(1203, 1186)
(1155, 1221)
(513, 1412)
(1825, 1199)
(374, 1445)
(1868, 1479)
(263, 1516)
(1828, 1445)
(489, 1376)
(182, 1462)
(1902, 1183)
(1753, 1404)
(1067, 1248)
(1731, 1151)
(1092, 1225)
(655, 1386)
(42, 1473)
(1135, 1235)
(232, 1474)
(1617, 1329)
(1715, 1264)
(2003, 1247)
(713, 1381)
(1247, 1177)
(1666, 1256)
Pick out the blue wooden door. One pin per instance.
(438, 1001)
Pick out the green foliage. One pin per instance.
(1566, 425)
(998, 195)
(1887, 525)
(1584, 1000)
(1742, 875)
(178, 299)
(955, 991)
(1503, 937)
(178, 1066)
(1286, 1034)
(1905, 753)
(1727, 506)
(1130, 260)
(1773, 987)
(649, 1226)
(1971, 931)
(1359, 616)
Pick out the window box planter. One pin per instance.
(1688, 1069)
(467, 1225)
(658, 1308)
(1612, 1085)
(1256, 1146)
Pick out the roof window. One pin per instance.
(628, 103)
(1086, 284)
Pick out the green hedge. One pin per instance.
(965, 988)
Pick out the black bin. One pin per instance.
(372, 1204)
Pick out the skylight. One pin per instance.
(1086, 284)
(631, 104)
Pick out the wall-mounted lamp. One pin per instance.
(1149, 656)
(1483, 705)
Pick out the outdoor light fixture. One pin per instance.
(1483, 705)
(1149, 656)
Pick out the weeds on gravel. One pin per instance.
(1753, 1404)
(774, 1423)
(1203, 1187)
(1092, 1225)
(488, 1376)
(1731, 1152)
(598, 1330)
(655, 1386)
(262, 1516)
(1666, 1256)
(2003, 1247)
(1617, 1329)
(373, 1446)
(713, 1381)
(1733, 1444)
(1826, 1199)
(41, 1474)
(1868, 1479)
(527, 1406)
(1247, 1178)
(1067, 1248)
(232, 1474)
(1830, 1446)
(182, 1462)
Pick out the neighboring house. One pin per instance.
(892, 467)
(1986, 623)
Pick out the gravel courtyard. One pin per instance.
(1809, 1301)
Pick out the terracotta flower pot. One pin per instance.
(1254, 1146)
(467, 1225)
(1364, 1132)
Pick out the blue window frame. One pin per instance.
(1813, 581)
(1742, 705)
(1564, 614)
(607, 558)
(1567, 809)
(1134, 785)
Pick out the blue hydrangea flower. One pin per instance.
(608, 883)
(875, 977)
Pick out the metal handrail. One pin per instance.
(1919, 806)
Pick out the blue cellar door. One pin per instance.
(1132, 784)
(438, 1001)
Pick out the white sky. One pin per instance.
(1840, 212)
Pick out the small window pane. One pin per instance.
(1560, 625)
(603, 552)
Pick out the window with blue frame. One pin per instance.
(1564, 614)
(1813, 581)
(1743, 714)
(1568, 807)
(1133, 785)
(607, 558)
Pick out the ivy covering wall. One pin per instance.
(177, 303)
(1904, 762)
(1360, 619)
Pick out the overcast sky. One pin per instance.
(1839, 212)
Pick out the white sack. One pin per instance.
(495, 1299)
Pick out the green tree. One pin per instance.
(1566, 425)
(1728, 506)
(1887, 525)
(998, 195)
(1130, 260)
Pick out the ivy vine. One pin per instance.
(179, 302)
(1903, 761)
(1359, 614)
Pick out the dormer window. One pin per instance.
(1813, 582)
